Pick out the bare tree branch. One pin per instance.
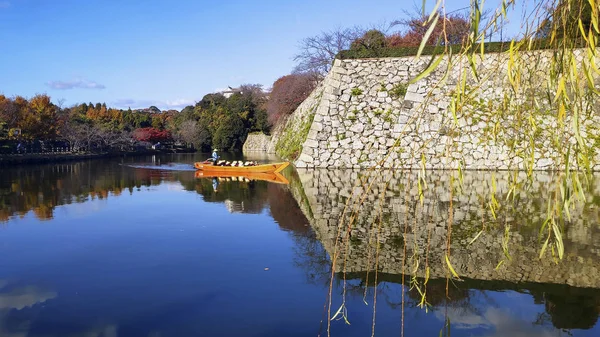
(318, 52)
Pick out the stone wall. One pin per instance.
(367, 115)
(391, 219)
(258, 142)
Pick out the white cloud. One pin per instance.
(75, 84)
(180, 103)
(125, 103)
(24, 297)
(497, 321)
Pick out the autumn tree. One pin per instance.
(40, 118)
(3, 129)
(450, 29)
(287, 94)
(10, 110)
(151, 135)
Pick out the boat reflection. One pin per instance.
(272, 177)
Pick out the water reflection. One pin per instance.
(40, 189)
(195, 264)
(403, 239)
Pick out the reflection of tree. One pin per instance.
(568, 307)
(41, 188)
(312, 258)
(285, 210)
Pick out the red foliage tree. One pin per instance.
(287, 94)
(458, 27)
(151, 135)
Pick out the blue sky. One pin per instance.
(165, 53)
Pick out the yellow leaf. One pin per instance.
(476, 236)
(561, 88)
(451, 268)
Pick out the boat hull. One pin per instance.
(272, 177)
(264, 168)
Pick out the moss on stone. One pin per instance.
(289, 145)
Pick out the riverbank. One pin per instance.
(43, 158)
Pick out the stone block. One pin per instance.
(358, 145)
(357, 128)
(311, 143)
(414, 97)
(305, 158)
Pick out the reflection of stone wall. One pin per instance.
(327, 192)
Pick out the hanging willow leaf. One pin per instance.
(561, 89)
(451, 268)
(472, 65)
(594, 16)
(476, 236)
(589, 78)
(499, 264)
(434, 10)
(427, 71)
(559, 241)
(544, 247)
(428, 34)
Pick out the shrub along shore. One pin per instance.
(56, 157)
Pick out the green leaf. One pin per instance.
(435, 10)
(429, 69)
(594, 16)
(544, 247)
(428, 34)
(559, 240)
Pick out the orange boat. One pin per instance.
(273, 177)
(237, 170)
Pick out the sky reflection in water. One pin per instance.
(111, 248)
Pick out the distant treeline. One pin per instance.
(214, 121)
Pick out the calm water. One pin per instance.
(140, 247)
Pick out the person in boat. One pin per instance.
(215, 156)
